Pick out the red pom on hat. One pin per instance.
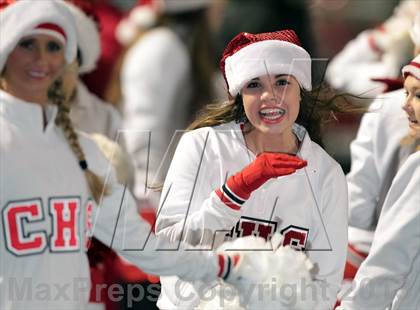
(248, 56)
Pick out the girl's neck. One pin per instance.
(40, 98)
(258, 142)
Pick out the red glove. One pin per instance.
(239, 187)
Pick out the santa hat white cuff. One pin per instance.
(21, 17)
(267, 57)
(413, 68)
(88, 39)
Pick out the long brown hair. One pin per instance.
(62, 120)
(317, 108)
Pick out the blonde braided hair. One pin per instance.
(57, 97)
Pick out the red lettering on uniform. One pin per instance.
(88, 223)
(295, 237)
(246, 228)
(65, 220)
(15, 215)
(265, 231)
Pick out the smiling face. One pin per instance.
(412, 105)
(32, 67)
(271, 103)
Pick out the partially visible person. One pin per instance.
(102, 122)
(165, 78)
(375, 160)
(374, 54)
(389, 278)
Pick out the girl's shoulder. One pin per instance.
(229, 131)
(225, 138)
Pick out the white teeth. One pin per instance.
(37, 74)
(272, 113)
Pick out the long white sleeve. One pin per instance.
(372, 155)
(156, 92)
(179, 217)
(118, 225)
(389, 277)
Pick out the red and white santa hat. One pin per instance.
(249, 56)
(87, 27)
(22, 18)
(413, 68)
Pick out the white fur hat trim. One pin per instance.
(23, 16)
(267, 57)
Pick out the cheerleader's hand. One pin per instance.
(239, 187)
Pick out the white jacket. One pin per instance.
(156, 88)
(191, 211)
(45, 208)
(390, 276)
(374, 163)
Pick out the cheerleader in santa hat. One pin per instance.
(52, 190)
(389, 278)
(251, 167)
(378, 151)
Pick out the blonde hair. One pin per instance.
(62, 120)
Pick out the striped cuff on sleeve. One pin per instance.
(229, 198)
(225, 266)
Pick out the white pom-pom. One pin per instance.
(278, 280)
